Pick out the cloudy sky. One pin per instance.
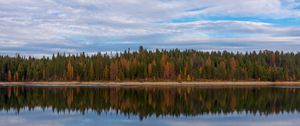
(38, 27)
(39, 117)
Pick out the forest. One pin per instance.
(154, 65)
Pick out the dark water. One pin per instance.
(148, 106)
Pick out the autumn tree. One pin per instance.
(233, 67)
(9, 76)
(113, 71)
(16, 76)
(154, 65)
(70, 70)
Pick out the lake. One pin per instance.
(78, 105)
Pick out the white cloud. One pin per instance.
(43, 26)
(261, 8)
(20, 121)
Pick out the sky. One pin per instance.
(39, 117)
(43, 27)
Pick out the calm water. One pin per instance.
(148, 106)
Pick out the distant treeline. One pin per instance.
(157, 65)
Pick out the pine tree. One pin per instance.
(92, 76)
(158, 65)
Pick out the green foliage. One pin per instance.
(158, 65)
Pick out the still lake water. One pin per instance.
(75, 105)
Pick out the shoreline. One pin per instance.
(161, 83)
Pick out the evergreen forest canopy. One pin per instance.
(158, 65)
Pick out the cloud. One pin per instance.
(259, 8)
(237, 31)
(44, 27)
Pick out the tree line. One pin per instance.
(154, 65)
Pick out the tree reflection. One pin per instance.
(152, 101)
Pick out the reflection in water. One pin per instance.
(149, 102)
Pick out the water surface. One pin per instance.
(147, 106)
